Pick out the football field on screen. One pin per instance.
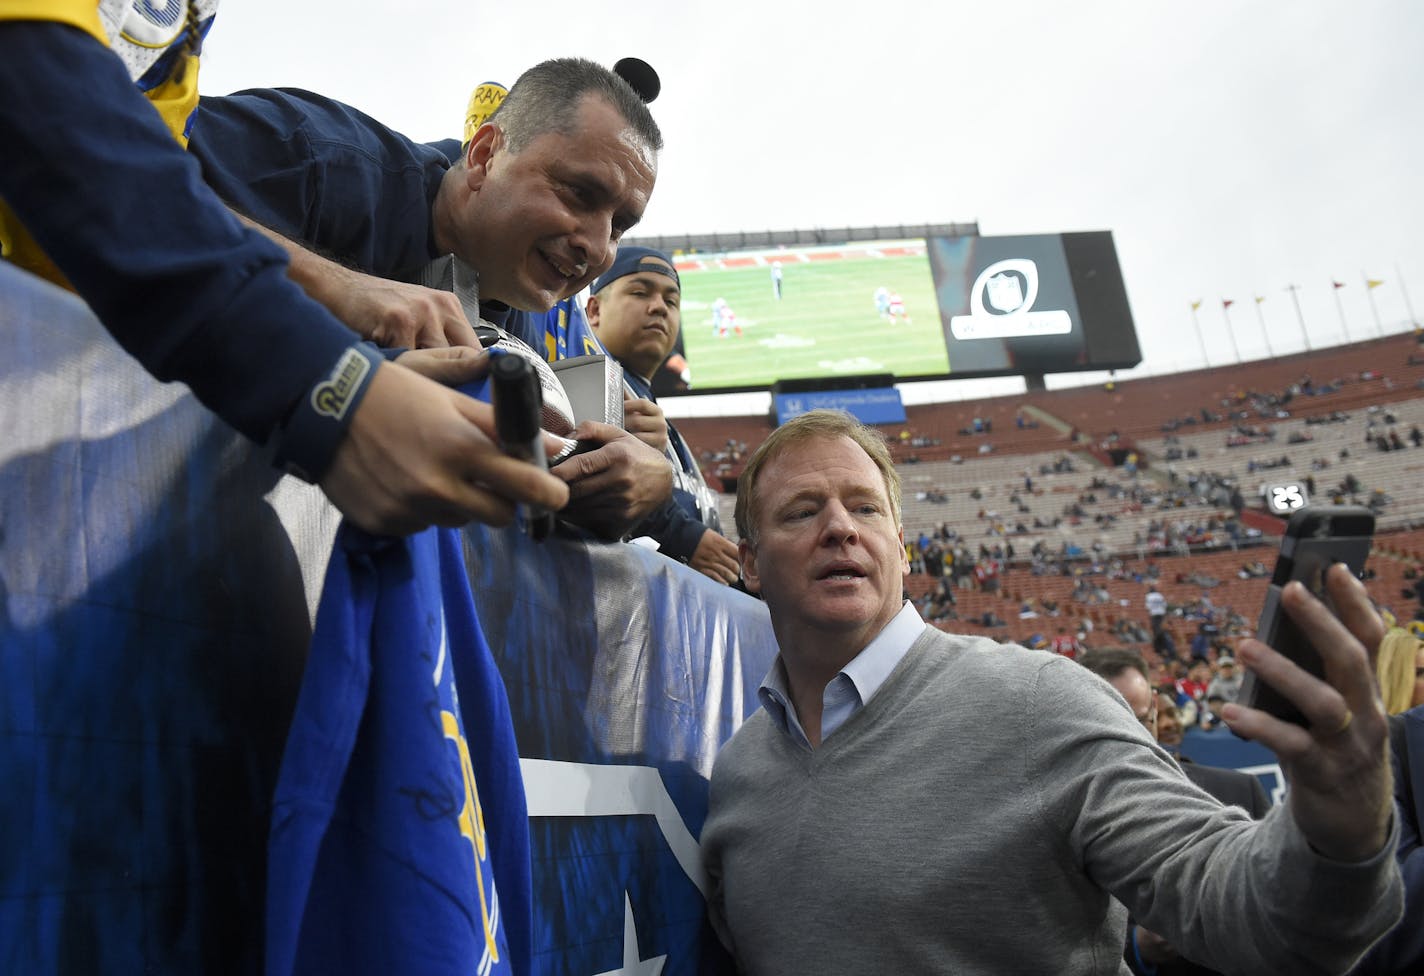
(825, 324)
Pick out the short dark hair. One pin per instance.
(546, 98)
(1110, 662)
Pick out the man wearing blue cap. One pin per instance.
(635, 312)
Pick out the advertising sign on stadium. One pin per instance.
(868, 406)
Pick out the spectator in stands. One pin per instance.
(963, 568)
(1060, 801)
(1253, 570)
(1066, 645)
(635, 312)
(197, 298)
(301, 164)
(1209, 716)
(1148, 953)
(1164, 644)
(1156, 605)
(942, 601)
(1194, 685)
(1400, 670)
(1201, 641)
(986, 574)
(1378, 500)
(1169, 721)
(1227, 683)
(1130, 631)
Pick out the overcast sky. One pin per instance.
(1232, 148)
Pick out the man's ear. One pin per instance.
(590, 312)
(904, 556)
(487, 142)
(746, 555)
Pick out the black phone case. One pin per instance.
(1316, 537)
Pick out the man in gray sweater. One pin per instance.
(910, 801)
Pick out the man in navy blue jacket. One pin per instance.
(102, 197)
(533, 211)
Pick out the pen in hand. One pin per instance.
(518, 405)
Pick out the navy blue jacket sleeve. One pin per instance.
(1402, 949)
(676, 532)
(322, 173)
(91, 170)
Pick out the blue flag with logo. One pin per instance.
(399, 836)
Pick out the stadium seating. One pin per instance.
(1180, 426)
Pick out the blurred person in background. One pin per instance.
(1227, 681)
(1147, 952)
(1400, 669)
(1401, 952)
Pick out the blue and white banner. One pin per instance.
(878, 406)
(157, 586)
(619, 712)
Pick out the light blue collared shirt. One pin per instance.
(852, 687)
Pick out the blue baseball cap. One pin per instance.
(632, 259)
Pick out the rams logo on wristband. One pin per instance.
(332, 398)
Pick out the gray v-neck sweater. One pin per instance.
(988, 811)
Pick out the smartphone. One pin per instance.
(574, 448)
(1316, 537)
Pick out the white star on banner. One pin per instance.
(632, 965)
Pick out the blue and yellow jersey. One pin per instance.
(158, 44)
(567, 333)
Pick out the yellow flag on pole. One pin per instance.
(1374, 282)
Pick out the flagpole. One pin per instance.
(1206, 361)
(1260, 317)
(1370, 294)
(1226, 314)
(1404, 291)
(1299, 317)
(1335, 287)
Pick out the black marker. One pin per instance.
(518, 404)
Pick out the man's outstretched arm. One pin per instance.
(393, 314)
(194, 296)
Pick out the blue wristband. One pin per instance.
(308, 440)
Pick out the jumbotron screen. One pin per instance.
(917, 309)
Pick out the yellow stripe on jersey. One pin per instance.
(83, 14)
(175, 101)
